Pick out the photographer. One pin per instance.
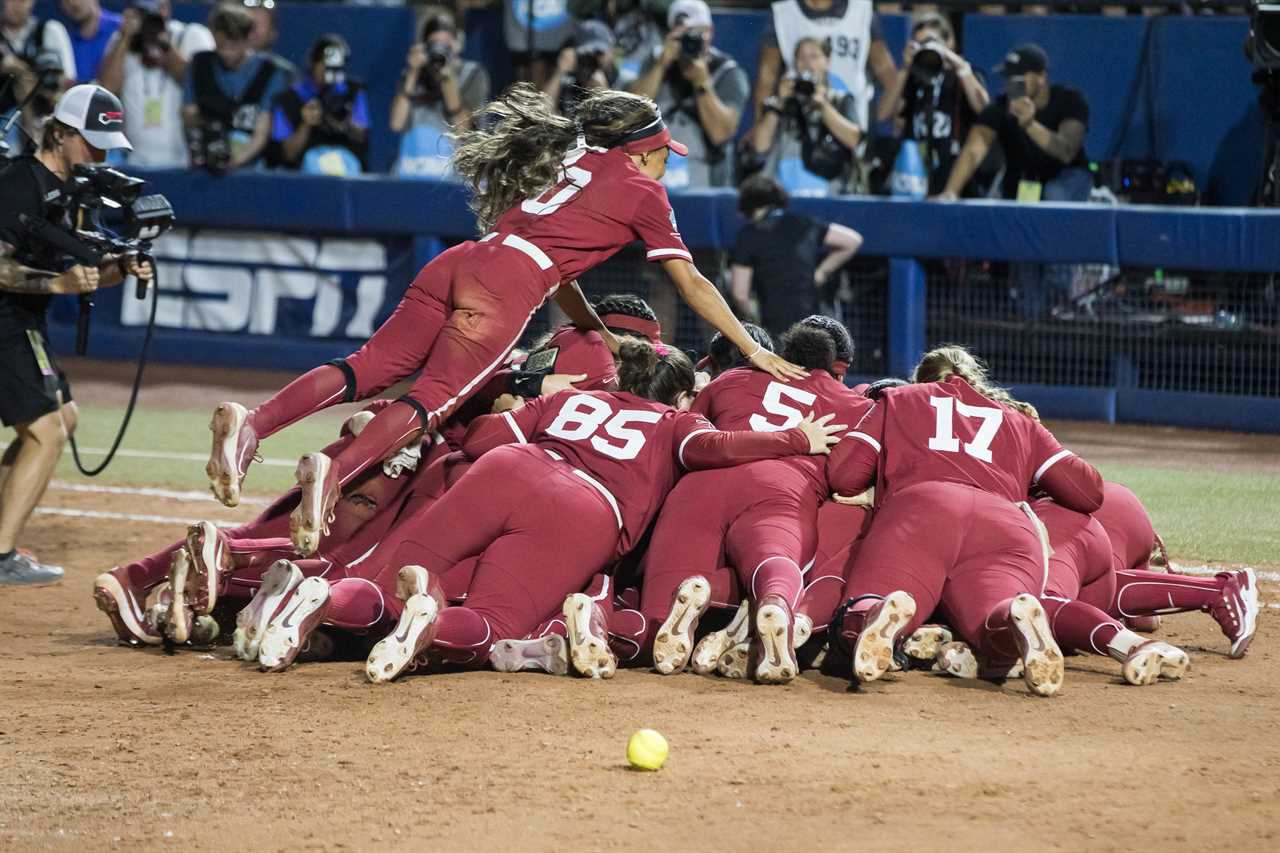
(581, 67)
(701, 91)
(145, 65)
(228, 95)
(809, 129)
(322, 122)
(34, 396)
(437, 95)
(91, 32)
(935, 98)
(36, 65)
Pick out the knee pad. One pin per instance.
(349, 396)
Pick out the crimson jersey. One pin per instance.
(576, 352)
(603, 203)
(1081, 549)
(947, 432)
(748, 399)
(629, 448)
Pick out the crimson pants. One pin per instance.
(953, 546)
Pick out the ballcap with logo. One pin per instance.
(96, 113)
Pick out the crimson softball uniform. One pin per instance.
(560, 488)
(951, 464)
(840, 531)
(761, 518)
(468, 307)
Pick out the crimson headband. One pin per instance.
(649, 329)
(651, 137)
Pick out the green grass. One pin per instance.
(1202, 515)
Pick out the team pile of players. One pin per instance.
(584, 511)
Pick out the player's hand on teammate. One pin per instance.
(822, 434)
(505, 403)
(777, 366)
(554, 383)
(78, 279)
(867, 498)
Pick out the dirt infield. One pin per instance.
(104, 747)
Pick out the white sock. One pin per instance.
(1124, 643)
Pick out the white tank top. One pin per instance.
(850, 38)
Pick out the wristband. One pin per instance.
(759, 349)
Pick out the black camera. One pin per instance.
(151, 41)
(210, 147)
(48, 70)
(928, 59)
(438, 55)
(692, 45)
(805, 86)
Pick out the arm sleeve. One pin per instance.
(699, 445)
(1063, 476)
(489, 431)
(852, 466)
(655, 223)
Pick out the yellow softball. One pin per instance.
(647, 750)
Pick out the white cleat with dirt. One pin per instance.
(776, 655)
(706, 655)
(1043, 667)
(278, 583)
(234, 446)
(318, 483)
(549, 654)
(180, 618)
(873, 652)
(288, 632)
(736, 662)
(589, 650)
(674, 641)
(1154, 660)
(416, 630)
(926, 642)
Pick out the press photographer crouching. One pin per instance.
(322, 123)
(35, 398)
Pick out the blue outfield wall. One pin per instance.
(406, 221)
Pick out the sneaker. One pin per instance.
(775, 642)
(234, 446)
(926, 642)
(873, 650)
(548, 654)
(288, 632)
(178, 622)
(1042, 663)
(1153, 660)
(124, 605)
(1237, 611)
(21, 569)
(208, 548)
(735, 662)
(278, 583)
(416, 630)
(588, 637)
(674, 641)
(310, 520)
(707, 654)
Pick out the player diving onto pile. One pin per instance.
(555, 197)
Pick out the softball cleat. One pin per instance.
(1042, 663)
(706, 655)
(926, 642)
(873, 651)
(210, 554)
(234, 446)
(178, 622)
(1154, 660)
(278, 583)
(288, 632)
(124, 604)
(588, 626)
(310, 521)
(549, 654)
(414, 632)
(775, 646)
(674, 641)
(736, 661)
(1237, 611)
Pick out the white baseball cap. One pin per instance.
(695, 13)
(96, 113)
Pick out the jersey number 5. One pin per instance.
(944, 436)
(775, 403)
(583, 416)
(576, 180)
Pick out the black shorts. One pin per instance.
(30, 378)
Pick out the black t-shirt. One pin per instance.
(782, 250)
(26, 186)
(1025, 160)
(936, 111)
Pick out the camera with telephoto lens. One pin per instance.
(805, 86)
(692, 45)
(209, 146)
(438, 56)
(928, 59)
(48, 70)
(336, 96)
(151, 41)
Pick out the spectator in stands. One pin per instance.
(778, 256)
(809, 129)
(535, 31)
(228, 95)
(264, 34)
(35, 54)
(438, 94)
(1040, 127)
(935, 98)
(638, 28)
(146, 64)
(582, 66)
(855, 42)
(321, 123)
(90, 35)
(701, 92)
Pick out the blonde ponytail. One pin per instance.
(950, 360)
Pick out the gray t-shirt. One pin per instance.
(707, 165)
(425, 146)
(786, 158)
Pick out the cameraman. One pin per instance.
(228, 95)
(701, 91)
(935, 97)
(585, 65)
(809, 128)
(324, 113)
(145, 65)
(437, 95)
(34, 396)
